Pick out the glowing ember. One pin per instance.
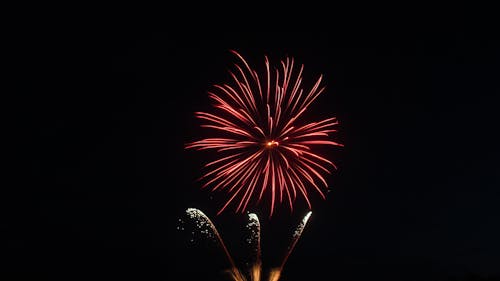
(272, 144)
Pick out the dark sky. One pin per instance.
(107, 109)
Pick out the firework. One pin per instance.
(262, 146)
(254, 241)
(276, 272)
(206, 227)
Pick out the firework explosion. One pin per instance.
(262, 147)
(206, 227)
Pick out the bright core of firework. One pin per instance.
(263, 148)
(272, 144)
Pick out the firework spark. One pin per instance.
(276, 272)
(262, 147)
(254, 226)
(206, 226)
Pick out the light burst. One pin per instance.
(262, 145)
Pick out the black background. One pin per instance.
(106, 108)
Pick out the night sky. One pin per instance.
(107, 108)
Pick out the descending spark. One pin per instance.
(261, 144)
(254, 240)
(296, 235)
(276, 272)
(205, 224)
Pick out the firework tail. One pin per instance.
(236, 275)
(276, 272)
(254, 226)
(203, 219)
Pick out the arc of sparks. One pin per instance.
(254, 240)
(255, 272)
(276, 273)
(202, 220)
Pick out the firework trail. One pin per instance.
(262, 146)
(275, 273)
(254, 240)
(207, 227)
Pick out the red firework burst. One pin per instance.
(263, 148)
